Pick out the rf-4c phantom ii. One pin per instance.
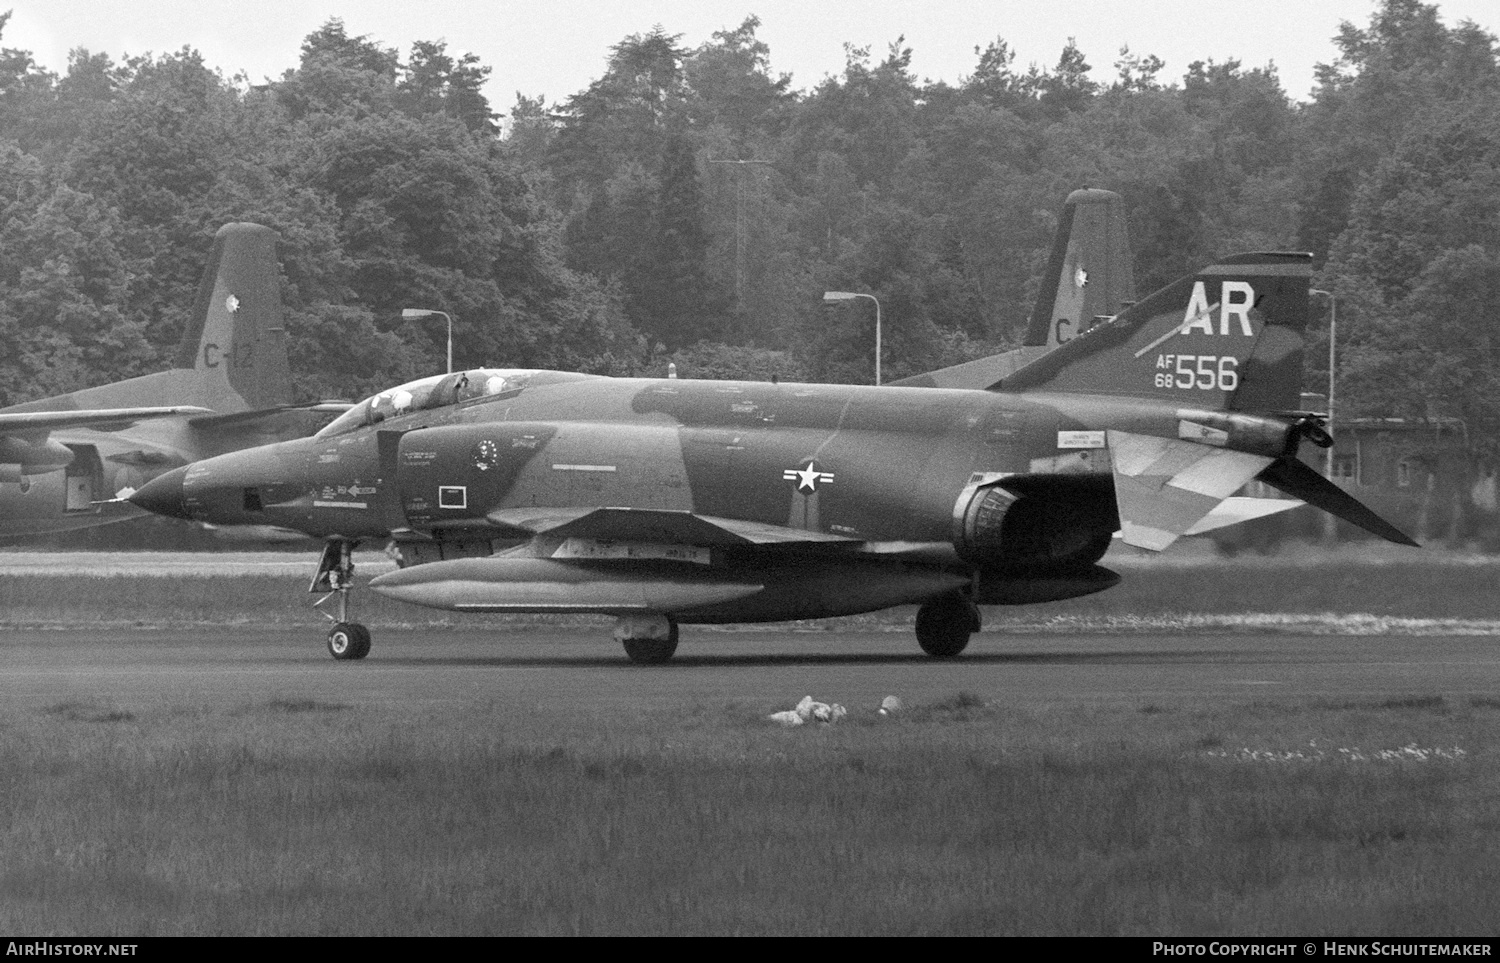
(67, 461)
(664, 502)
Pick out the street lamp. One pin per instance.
(1333, 333)
(739, 227)
(829, 297)
(410, 313)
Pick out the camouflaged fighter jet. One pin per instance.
(67, 462)
(668, 502)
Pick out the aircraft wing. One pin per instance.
(270, 416)
(655, 525)
(39, 421)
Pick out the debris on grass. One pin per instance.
(810, 711)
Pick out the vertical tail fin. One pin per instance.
(1228, 338)
(1088, 276)
(235, 337)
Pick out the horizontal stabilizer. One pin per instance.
(1164, 487)
(653, 525)
(1300, 481)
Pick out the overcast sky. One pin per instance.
(557, 47)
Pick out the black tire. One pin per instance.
(651, 651)
(944, 626)
(348, 640)
(364, 641)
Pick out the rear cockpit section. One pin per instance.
(436, 391)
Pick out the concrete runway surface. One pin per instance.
(572, 669)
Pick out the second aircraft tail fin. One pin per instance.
(1088, 277)
(235, 337)
(233, 353)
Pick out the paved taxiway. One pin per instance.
(577, 668)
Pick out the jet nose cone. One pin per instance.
(163, 494)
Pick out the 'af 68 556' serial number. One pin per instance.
(1210, 372)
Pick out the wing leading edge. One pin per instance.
(655, 525)
(36, 421)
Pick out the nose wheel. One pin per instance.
(348, 640)
(335, 575)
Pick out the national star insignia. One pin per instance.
(808, 477)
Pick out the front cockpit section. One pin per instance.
(424, 394)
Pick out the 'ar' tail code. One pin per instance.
(1227, 338)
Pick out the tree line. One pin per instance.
(690, 206)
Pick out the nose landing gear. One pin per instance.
(335, 575)
(348, 640)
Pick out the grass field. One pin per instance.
(957, 817)
(292, 816)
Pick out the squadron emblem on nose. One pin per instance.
(487, 455)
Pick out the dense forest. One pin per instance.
(691, 206)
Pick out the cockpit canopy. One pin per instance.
(436, 391)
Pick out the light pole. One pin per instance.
(410, 313)
(1333, 334)
(739, 227)
(830, 297)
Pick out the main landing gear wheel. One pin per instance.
(348, 640)
(945, 624)
(647, 641)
